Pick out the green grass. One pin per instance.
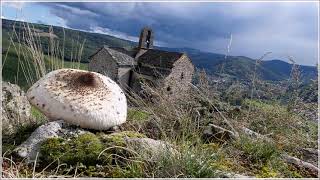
(287, 129)
(72, 39)
(258, 151)
(15, 59)
(37, 115)
(137, 115)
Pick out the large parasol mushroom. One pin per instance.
(88, 99)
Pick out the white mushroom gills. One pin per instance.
(88, 99)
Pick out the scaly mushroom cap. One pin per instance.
(88, 99)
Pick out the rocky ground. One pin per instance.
(193, 138)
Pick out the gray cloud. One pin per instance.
(282, 28)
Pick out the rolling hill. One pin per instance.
(237, 67)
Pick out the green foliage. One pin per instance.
(191, 162)
(277, 169)
(267, 172)
(198, 167)
(287, 129)
(83, 149)
(257, 151)
(222, 161)
(309, 92)
(18, 67)
(19, 59)
(70, 40)
(137, 115)
(36, 114)
(263, 159)
(130, 170)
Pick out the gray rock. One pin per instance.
(150, 149)
(310, 155)
(300, 164)
(16, 109)
(216, 133)
(31, 147)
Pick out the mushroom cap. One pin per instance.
(88, 99)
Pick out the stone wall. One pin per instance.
(140, 52)
(124, 77)
(175, 81)
(137, 78)
(180, 77)
(104, 64)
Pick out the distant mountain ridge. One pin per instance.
(237, 67)
(241, 67)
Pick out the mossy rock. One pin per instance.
(85, 149)
(10, 142)
(118, 139)
(116, 151)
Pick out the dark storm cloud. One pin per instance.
(256, 28)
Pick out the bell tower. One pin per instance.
(146, 38)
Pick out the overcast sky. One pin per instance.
(285, 29)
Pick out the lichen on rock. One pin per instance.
(118, 139)
(104, 149)
(16, 109)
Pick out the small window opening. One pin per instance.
(147, 43)
(182, 75)
(168, 88)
